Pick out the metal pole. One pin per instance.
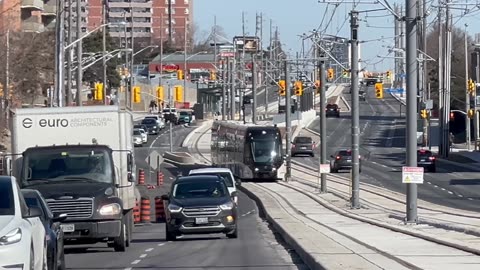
(323, 122)
(355, 199)
(467, 94)
(60, 44)
(127, 84)
(440, 77)
(78, 96)
(104, 54)
(69, 52)
(132, 75)
(161, 54)
(6, 88)
(288, 121)
(232, 89)
(185, 61)
(224, 89)
(447, 80)
(411, 116)
(170, 136)
(475, 123)
(254, 89)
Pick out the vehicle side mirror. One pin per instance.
(59, 217)
(130, 177)
(165, 197)
(238, 182)
(234, 194)
(34, 212)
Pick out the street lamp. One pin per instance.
(93, 31)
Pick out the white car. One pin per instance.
(143, 133)
(223, 172)
(22, 234)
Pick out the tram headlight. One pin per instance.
(256, 169)
(274, 169)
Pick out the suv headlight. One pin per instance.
(227, 206)
(174, 208)
(112, 209)
(12, 237)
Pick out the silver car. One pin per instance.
(137, 138)
(143, 133)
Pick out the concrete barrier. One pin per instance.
(181, 158)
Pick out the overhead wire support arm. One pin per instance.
(384, 4)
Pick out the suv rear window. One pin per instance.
(424, 153)
(345, 153)
(330, 106)
(303, 140)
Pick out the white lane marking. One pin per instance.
(429, 183)
(450, 192)
(442, 189)
(161, 244)
(248, 213)
(143, 256)
(391, 134)
(129, 268)
(470, 199)
(148, 249)
(136, 262)
(171, 178)
(435, 186)
(460, 195)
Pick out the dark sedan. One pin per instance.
(53, 231)
(200, 205)
(342, 160)
(332, 110)
(303, 145)
(426, 159)
(152, 126)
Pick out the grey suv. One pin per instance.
(342, 160)
(200, 205)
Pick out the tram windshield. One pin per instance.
(265, 151)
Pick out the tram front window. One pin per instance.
(264, 151)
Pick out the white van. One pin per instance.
(223, 172)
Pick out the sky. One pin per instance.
(293, 18)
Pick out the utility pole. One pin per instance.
(355, 199)
(215, 40)
(232, 88)
(59, 61)
(104, 48)
(440, 74)
(323, 120)
(78, 96)
(128, 87)
(170, 26)
(467, 93)
(397, 46)
(161, 54)
(132, 75)
(422, 79)
(185, 60)
(69, 52)
(6, 88)
(411, 116)
(254, 89)
(170, 131)
(402, 59)
(288, 120)
(445, 144)
(224, 89)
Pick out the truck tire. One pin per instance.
(120, 242)
(129, 217)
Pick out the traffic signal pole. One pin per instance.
(288, 123)
(254, 91)
(355, 199)
(467, 92)
(323, 124)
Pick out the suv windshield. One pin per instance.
(7, 205)
(199, 189)
(224, 175)
(68, 165)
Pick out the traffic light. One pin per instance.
(330, 74)
(345, 73)
(1, 90)
(452, 116)
(388, 74)
(317, 86)
(379, 90)
(471, 113)
(180, 74)
(281, 88)
(98, 91)
(424, 114)
(471, 87)
(213, 75)
(159, 93)
(10, 91)
(178, 93)
(136, 94)
(298, 88)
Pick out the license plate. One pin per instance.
(201, 220)
(303, 147)
(68, 227)
(422, 159)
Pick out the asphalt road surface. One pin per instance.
(382, 147)
(256, 248)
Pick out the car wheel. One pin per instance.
(312, 154)
(169, 236)
(233, 234)
(120, 242)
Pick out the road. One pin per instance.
(256, 248)
(382, 147)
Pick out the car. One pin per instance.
(137, 138)
(53, 230)
(332, 110)
(185, 117)
(160, 121)
(153, 128)
(143, 133)
(23, 242)
(342, 160)
(227, 175)
(200, 204)
(170, 115)
(303, 145)
(140, 126)
(426, 159)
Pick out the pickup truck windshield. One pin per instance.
(68, 165)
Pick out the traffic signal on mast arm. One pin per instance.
(424, 114)
(345, 73)
(213, 75)
(178, 93)
(388, 74)
(471, 87)
(136, 94)
(317, 86)
(330, 74)
(98, 91)
(180, 74)
(159, 94)
(1, 90)
(471, 113)
(281, 88)
(379, 90)
(298, 88)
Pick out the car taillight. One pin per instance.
(337, 157)
(431, 158)
(293, 145)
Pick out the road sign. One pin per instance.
(154, 159)
(412, 175)
(324, 168)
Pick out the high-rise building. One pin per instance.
(27, 15)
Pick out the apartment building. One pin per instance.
(27, 15)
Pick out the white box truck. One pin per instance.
(81, 159)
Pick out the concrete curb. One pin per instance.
(398, 99)
(187, 139)
(349, 108)
(306, 257)
(179, 157)
(439, 240)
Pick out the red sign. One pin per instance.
(167, 68)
